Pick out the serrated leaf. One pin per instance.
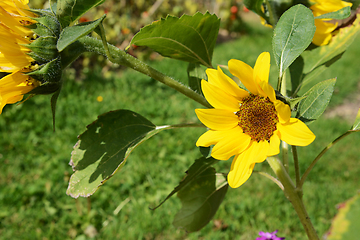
(346, 224)
(195, 74)
(104, 148)
(339, 43)
(292, 35)
(189, 38)
(316, 101)
(339, 14)
(356, 125)
(68, 11)
(196, 169)
(200, 200)
(73, 33)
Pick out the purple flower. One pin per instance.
(269, 236)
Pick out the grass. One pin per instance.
(35, 170)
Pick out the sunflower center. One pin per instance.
(257, 117)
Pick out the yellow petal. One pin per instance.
(283, 110)
(210, 137)
(245, 74)
(295, 132)
(262, 67)
(241, 170)
(267, 91)
(217, 119)
(221, 80)
(234, 142)
(218, 98)
(274, 148)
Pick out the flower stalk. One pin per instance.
(293, 196)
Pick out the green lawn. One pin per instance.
(35, 171)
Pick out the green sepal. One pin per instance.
(71, 34)
(49, 75)
(47, 24)
(43, 49)
(53, 102)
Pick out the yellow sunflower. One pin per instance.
(324, 27)
(14, 58)
(247, 124)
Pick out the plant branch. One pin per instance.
(321, 154)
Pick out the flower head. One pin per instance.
(14, 59)
(247, 124)
(269, 236)
(325, 28)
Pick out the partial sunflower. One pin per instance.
(247, 124)
(14, 58)
(324, 27)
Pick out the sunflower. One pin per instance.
(324, 27)
(247, 124)
(14, 59)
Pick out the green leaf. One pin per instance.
(68, 11)
(339, 14)
(189, 38)
(292, 35)
(316, 101)
(356, 125)
(73, 33)
(195, 74)
(104, 148)
(296, 74)
(200, 200)
(346, 224)
(196, 169)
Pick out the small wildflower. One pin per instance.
(269, 236)
(99, 99)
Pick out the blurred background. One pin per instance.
(34, 170)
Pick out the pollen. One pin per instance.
(257, 117)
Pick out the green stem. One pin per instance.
(296, 165)
(120, 57)
(291, 193)
(320, 155)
